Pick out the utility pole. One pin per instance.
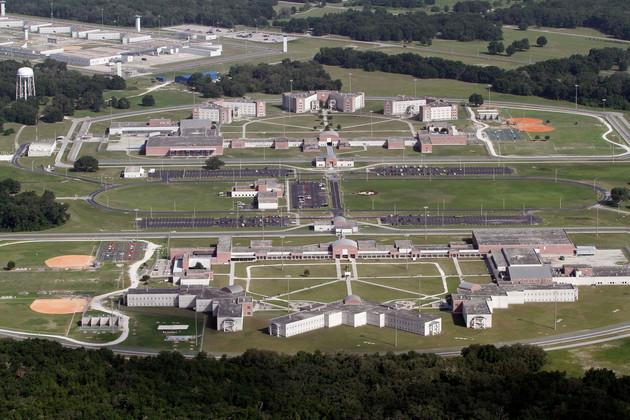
(576, 96)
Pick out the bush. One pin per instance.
(10, 265)
(148, 100)
(213, 163)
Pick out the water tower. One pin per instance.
(25, 83)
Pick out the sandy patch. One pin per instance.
(70, 261)
(531, 125)
(59, 306)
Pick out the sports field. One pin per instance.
(568, 135)
(464, 194)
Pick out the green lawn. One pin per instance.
(271, 269)
(573, 135)
(422, 285)
(605, 174)
(328, 293)
(144, 322)
(473, 267)
(35, 253)
(278, 286)
(462, 194)
(173, 196)
(39, 182)
(378, 294)
(614, 355)
(368, 270)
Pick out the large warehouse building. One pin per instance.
(545, 241)
(184, 146)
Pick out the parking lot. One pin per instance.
(505, 134)
(419, 220)
(127, 251)
(191, 174)
(225, 222)
(309, 195)
(419, 170)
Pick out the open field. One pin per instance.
(173, 196)
(572, 135)
(33, 254)
(463, 194)
(604, 174)
(143, 327)
(614, 355)
(39, 182)
(517, 322)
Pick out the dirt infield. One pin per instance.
(58, 306)
(70, 261)
(531, 125)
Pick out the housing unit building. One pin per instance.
(403, 105)
(548, 241)
(354, 312)
(157, 126)
(438, 110)
(227, 306)
(225, 111)
(300, 102)
(476, 303)
(184, 146)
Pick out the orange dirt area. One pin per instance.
(531, 125)
(70, 261)
(59, 306)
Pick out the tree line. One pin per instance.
(59, 90)
(226, 13)
(41, 379)
(552, 79)
(609, 16)
(266, 78)
(380, 25)
(27, 211)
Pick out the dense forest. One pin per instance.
(609, 16)
(69, 90)
(266, 78)
(552, 79)
(379, 25)
(27, 211)
(40, 379)
(402, 4)
(225, 13)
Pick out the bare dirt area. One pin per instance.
(59, 306)
(70, 261)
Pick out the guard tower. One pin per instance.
(25, 83)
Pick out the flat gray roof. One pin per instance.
(185, 141)
(525, 237)
(521, 256)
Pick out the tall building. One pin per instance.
(403, 105)
(438, 111)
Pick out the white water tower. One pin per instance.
(3, 8)
(25, 83)
(138, 23)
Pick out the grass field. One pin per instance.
(573, 135)
(34, 254)
(607, 175)
(463, 194)
(614, 355)
(519, 322)
(39, 182)
(173, 196)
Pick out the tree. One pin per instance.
(541, 41)
(86, 164)
(619, 194)
(10, 265)
(213, 163)
(523, 26)
(307, 273)
(510, 50)
(495, 47)
(148, 100)
(475, 99)
(52, 114)
(10, 186)
(123, 103)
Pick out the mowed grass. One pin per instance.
(173, 196)
(39, 182)
(596, 307)
(16, 315)
(573, 135)
(34, 254)
(143, 325)
(278, 270)
(614, 355)
(379, 294)
(282, 287)
(387, 269)
(463, 194)
(608, 175)
(419, 285)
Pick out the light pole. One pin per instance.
(576, 96)
(371, 127)
(489, 90)
(415, 88)
(604, 105)
(350, 80)
(425, 222)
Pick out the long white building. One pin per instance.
(354, 312)
(403, 105)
